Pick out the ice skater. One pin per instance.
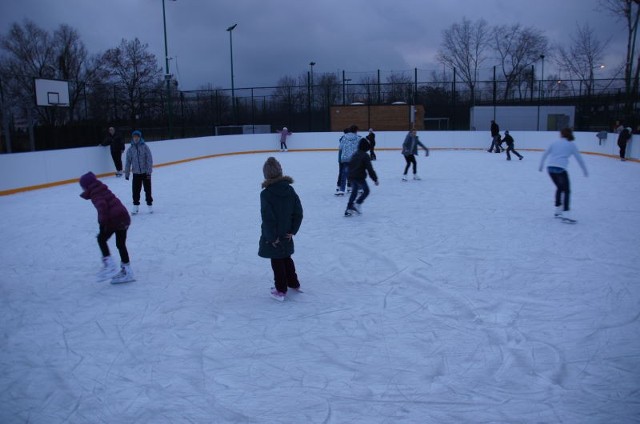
(409, 151)
(281, 212)
(623, 138)
(495, 138)
(509, 140)
(113, 218)
(371, 138)
(559, 153)
(140, 163)
(359, 166)
(114, 140)
(348, 146)
(284, 133)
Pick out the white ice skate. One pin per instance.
(150, 208)
(135, 209)
(124, 276)
(109, 269)
(416, 177)
(275, 294)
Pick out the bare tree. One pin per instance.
(135, 70)
(518, 48)
(462, 48)
(399, 88)
(629, 11)
(329, 92)
(582, 56)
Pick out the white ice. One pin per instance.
(455, 299)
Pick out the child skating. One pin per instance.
(281, 213)
(113, 218)
(140, 163)
(359, 166)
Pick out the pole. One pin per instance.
(167, 76)
(233, 89)
(343, 92)
(495, 89)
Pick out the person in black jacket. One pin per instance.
(281, 213)
(359, 165)
(371, 137)
(509, 140)
(623, 138)
(495, 138)
(114, 140)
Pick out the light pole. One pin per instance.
(591, 79)
(344, 80)
(540, 92)
(312, 64)
(233, 90)
(167, 75)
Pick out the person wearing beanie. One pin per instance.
(510, 148)
(284, 133)
(114, 140)
(113, 218)
(559, 153)
(409, 150)
(281, 213)
(359, 166)
(139, 162)
(371, 138)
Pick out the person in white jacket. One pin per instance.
(558, 154)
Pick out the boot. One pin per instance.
(124, 276)
(135, 209)
(109, 269)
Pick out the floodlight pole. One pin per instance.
(233, 90)
(167, 76)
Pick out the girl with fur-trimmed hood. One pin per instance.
(281, 212)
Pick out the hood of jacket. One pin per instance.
(278, 189)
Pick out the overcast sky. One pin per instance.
(276, 38)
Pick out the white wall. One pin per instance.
(20, 171)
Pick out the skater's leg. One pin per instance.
(406, 168)
(354, 193)
(279, 268)
(103, 236)
(121, 244)
(146, 182)
(117, 160)
(292, 277)
(344, 176)
(415, 164)
(136, 187)
(365, 191)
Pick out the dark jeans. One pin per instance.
(344, 175)
(561, 179)
(623, 148)
(283, 145)
(284, 274)
(495, 144)
(356, 185)
(139, 181)
(512, 150)
(117, 159)
(411, 159)
(121, 242)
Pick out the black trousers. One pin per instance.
(284, 274)
(512, 150)
(121, 243)
(139, 181)
(623, 148)
(117, 159)
(561, 180)
(411, 159)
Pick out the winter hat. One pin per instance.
(364, 145)
(87, 179)
(136, 132)
(272, 169)
(506, 132)
(284, 129)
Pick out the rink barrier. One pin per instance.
(22, 172)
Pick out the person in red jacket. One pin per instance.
(113, 218)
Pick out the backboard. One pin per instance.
(51, 92)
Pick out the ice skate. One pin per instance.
(124, 276)
(416, 177)
(150, 208)
(275, 294)
(558, 212)
(109, 269)
(339, 192)
(404, 178)
(135, 209)
(567, 218)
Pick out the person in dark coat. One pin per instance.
(371, 138)
(281, 212)
(495, 138)
(623, 139)
(509, 140)
(359, 166)
(114, 140)
(113, 218)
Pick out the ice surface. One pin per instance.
(455, 299)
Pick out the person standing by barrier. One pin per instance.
(623, 139)
(495, 137)
(284, 133)
(140, 163)
(559, 153)
(114, 140)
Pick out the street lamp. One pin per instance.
(344, 80)
(591, 79)
(312, 64)
(167, 75)
(540, 92)
(233, 90)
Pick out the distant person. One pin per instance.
(348, 146)
(139, 161)
(371, 138)
(510, 143)
(338, 191)
(114, 140)
(281, 213)
(359, 166)
(623, 138)
(618, 127)
(113, 218)
(284, 133)
(602, 137)
(495, 137)
(409, 151)
(559, 153)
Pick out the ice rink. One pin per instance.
(455, 299)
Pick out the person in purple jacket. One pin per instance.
(113, 218)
